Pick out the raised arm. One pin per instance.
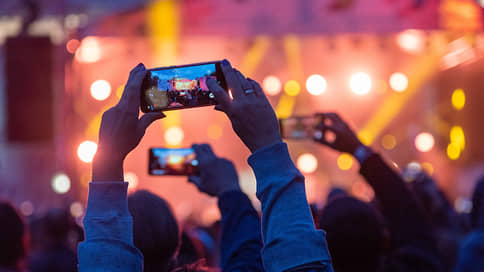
(403, 214)
(291, 242)
(241, 228)
(108, 225)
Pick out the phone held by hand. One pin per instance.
(173, 162)
(300, 127)
(180, 87)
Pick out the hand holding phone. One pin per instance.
(180, 87)
(301, 127)
(217, 175)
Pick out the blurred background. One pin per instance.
(406, 73)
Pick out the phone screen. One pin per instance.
(180, 87)
(173, 162)
(299, 127)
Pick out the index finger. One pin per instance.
(204, 153)
(130, 100)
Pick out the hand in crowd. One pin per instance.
(217, 175)
(121, 130)
(345, 139)
(250, 113)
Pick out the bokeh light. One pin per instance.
(307, 163)
(457, 136)
(72, 45)
(424, 142)
(411, 41)
(27, 208)
(398, 82)
(100, 89)
(132, 180)
(86, 151)
(214, 132)
(453, 151)
(458, 99)
(345, 161)
(316, 84)
(61, 183)
(174, 136)
(89, 51)
(360, 83)
(388, 141)
(292, 88)
(272, 85)
(76, 209)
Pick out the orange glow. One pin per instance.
(424, 142)
(307, 163)
(89, 51)
(86, 151)
(272, 85)
(72, 45)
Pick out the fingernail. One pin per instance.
(225, 62)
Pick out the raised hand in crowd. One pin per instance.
(291, 242)
(108, 225)
(241, 242)
(413, 247)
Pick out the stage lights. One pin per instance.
(174, 136)
(292, 88)
(458, 99)
(307, 163)
(61, 183)
(424, 142)
(272, 85)
(345, 161)
(72, 45)
(100, 89)
(89, 51)
(27, 208)
(398, 82)
(316, 84)
(76, 209)
(388, 141)
(86, 151)
(411, 41)
(360, 83)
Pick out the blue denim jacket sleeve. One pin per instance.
(108, 228)
(291, 240)
(241, 244)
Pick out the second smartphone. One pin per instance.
(173, 162)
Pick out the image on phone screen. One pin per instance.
(173, 162)
(180, 87)
(299, 127)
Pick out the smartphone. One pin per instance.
(300, 127)
(173, 162)
(180, 87)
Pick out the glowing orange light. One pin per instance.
(86, 151)
(345, 161)
(411, 41)
(307, 163)
(398, 82)
(174, 136)
(272, 85)
(360, 83)
(72, 45)
(292, 88)
(424, 142)
(214, 132)
(316, 84)
(100, 89)
(89, 51)
(388, 142)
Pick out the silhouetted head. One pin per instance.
(12, 231)
(354, 233)
(155, 230)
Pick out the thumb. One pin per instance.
(148, 118)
